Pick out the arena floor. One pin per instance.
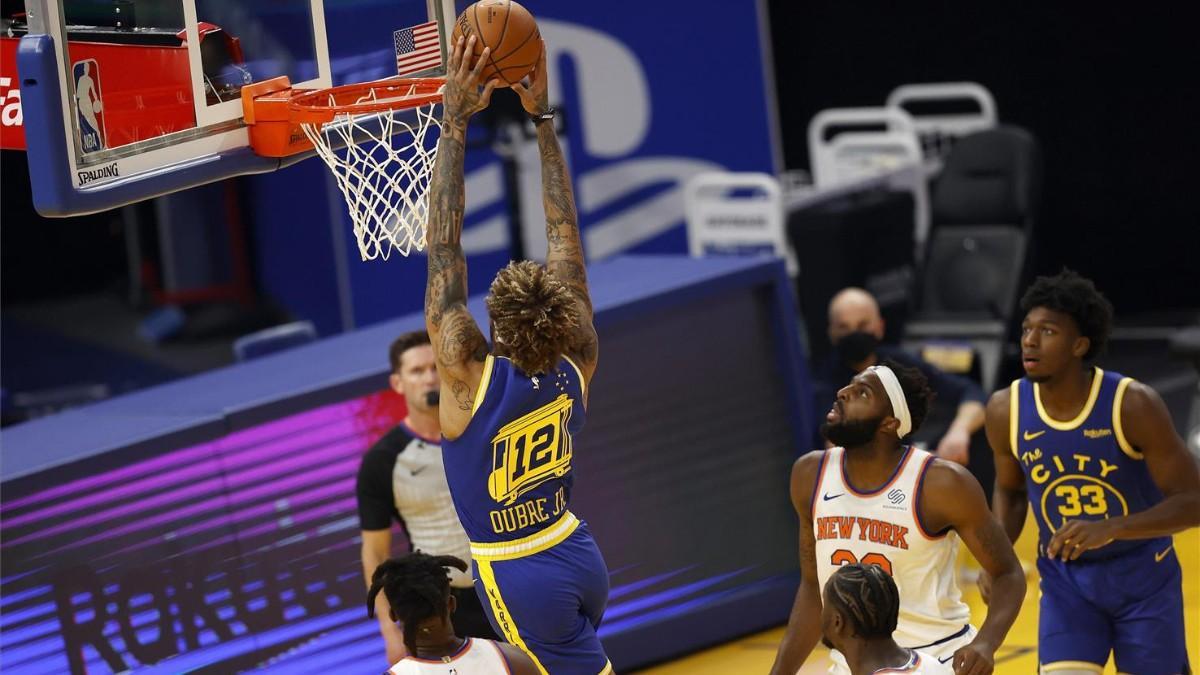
(1018, 656)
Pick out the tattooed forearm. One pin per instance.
(447, 198)
(557, 196)
(564, 257)
(446, 283)
(456, 339)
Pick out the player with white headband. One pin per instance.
(875, 500)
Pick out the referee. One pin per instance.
(402, 479)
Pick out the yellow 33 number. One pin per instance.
(1073, 497)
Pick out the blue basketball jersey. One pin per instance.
(1083, 468)
(510, 471)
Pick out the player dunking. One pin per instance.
(1110, 481)
(509, 416)
(875, 501)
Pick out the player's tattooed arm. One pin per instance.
(459, 346)
(564, 257)
(457, 340)
(804, 623)
(953, 498)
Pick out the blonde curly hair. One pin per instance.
(534, 316)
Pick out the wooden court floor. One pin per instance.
(755, 653)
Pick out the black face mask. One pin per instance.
(432, 399)
(855, 347)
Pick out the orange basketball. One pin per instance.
(510, 30)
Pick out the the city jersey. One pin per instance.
(1083, 468)
(510, 471)
(883, 527)
(476, 657)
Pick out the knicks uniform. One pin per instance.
(538, 569)
(883, 527)
(475, 656)
(1126, 596)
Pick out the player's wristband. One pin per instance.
(546, 116)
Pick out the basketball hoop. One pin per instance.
(373, 136)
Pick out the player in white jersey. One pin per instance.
(417, 587)
(860, 605)
(876, 501)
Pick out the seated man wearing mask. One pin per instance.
(856, 329)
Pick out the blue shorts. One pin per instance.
(549, 603)
(1131, 605)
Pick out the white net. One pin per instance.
(382, 162)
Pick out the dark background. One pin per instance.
(1112, 94)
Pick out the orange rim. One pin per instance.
(319, 106)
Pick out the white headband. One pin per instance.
(895, 393)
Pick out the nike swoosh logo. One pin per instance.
(1158, 557)
(1029, 437)
(417, 471)
(826, 496)
(946, 659)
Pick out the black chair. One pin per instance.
(983, 207)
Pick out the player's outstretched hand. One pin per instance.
(974, 659)
(461, 95)
(534, 96)
(984, 582)
(1077, 536)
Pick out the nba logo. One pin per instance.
(89, 109)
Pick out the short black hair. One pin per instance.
(1072, 294)
(867, 596)
(916, 389)
(404, 343)
(416, 586)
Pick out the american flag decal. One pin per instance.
(417, 48)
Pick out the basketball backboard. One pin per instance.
(125, 100)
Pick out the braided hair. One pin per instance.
(867, 597)
(416, 586)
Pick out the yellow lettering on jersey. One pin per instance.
(1106, 468)
(1083, 460)
(519, 517)
(1039, 474)
(1031, 457)
(531, 450)
(1058, 463)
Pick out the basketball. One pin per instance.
(512, 33)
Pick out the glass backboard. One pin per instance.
(125, 100)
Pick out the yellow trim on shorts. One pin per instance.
(1118, 430)
(537, 542)
(607, 668)
(1072, 665)
(1014, 410)
(503, 618)
(1071, 425)
(484, 380)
